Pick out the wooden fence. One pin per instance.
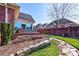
(64, 31)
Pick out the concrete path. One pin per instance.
(67, 49)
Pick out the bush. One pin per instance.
(7, 31)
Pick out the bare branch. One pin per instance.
(61, 10)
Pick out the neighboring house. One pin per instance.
(40, 26)
(12, 12)
(24, 21)
(63, 23)
(44, 25)
(37, 27)
(65, 27)
(52, 25)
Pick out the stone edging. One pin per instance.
(66, 49)
(32, 48)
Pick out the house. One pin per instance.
(64, 27)
(24, 22)
(37, 27)
(12, 11)
(60, 23)
(44, 25)
(63, 23)
(9, 12)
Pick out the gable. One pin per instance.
(26, 17)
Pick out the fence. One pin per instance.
(64, 31)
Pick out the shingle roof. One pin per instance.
(63, 21)
(52, 23)
(38, 25)
(45, 24)
(26, 17)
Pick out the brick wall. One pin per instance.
(2, 13)
(11, 13)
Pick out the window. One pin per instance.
(23, 26)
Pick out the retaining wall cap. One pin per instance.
(46, 41)
(42, 42)
(20, 51)
(31, 46)
(25, 49)
(37, 44)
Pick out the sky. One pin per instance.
(39, 12)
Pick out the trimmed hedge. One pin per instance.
(7, 31)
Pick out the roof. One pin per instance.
(10, 4)
(52, 23)
(45, 24)
(24, 16)
(38, 25)
(64, 21)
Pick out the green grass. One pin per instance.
(74, 42)
(51, 50)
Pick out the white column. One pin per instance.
(6, 13)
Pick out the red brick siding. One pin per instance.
(11, 13)
(2, 13)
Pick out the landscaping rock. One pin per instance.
(24, 44)
(19, 52)
(25, 49)
(67, 49)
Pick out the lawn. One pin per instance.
(52, 50)
(73, 41)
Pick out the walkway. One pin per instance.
(67, 49)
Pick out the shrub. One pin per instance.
(7, 31)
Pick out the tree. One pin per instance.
(61, 10)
